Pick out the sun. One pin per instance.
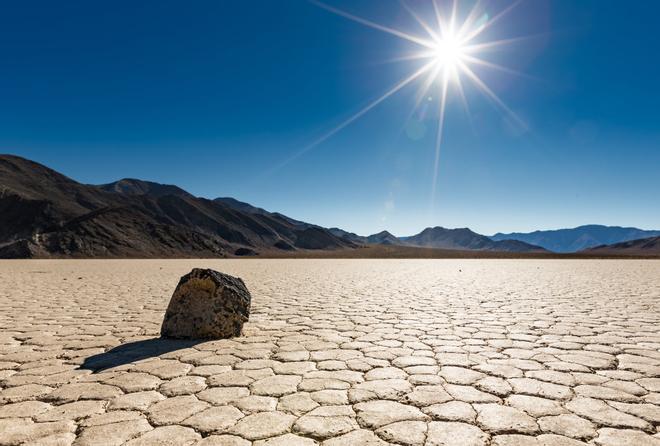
(448, 52)
(447, 56)
(452, 46)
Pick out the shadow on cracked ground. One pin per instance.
(136, 351)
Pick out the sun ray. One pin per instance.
(490, 94)
(370, 24)
(408, 57)
(438, 140)
(494, 66)
(438, 14)
(453, 17)
(472, 16)
(476, 47)
(357, 115)
(421, 94)
(419, 20)
(463, 98)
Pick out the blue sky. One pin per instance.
(212, 96)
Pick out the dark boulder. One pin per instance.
(207, 304)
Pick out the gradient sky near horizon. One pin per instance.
(212, 96)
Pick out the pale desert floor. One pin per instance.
(338, 352)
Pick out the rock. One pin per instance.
(207, 304)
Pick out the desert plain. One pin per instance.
(461, 352)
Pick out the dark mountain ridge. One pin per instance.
(46, 214)
(246, 207)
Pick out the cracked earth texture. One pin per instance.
(337, 352)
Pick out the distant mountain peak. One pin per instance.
(578, 238)
(383, 238)
(464, 238)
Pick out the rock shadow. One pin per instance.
(136, 351)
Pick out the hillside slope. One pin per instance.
(643, 247)
(46, 214)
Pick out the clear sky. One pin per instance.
(214, 96)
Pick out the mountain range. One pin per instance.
(578, 239)
(464, 238)
(46, 214)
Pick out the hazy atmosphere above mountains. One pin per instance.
(221, 110)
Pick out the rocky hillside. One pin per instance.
(45, 214)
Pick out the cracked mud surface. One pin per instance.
(337, 352)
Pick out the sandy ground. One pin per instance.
(338, 352)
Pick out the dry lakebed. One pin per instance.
(336, 352)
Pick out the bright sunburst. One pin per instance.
(449, 50)
(448, 53)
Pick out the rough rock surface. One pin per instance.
(336, 353)
(207, 304)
